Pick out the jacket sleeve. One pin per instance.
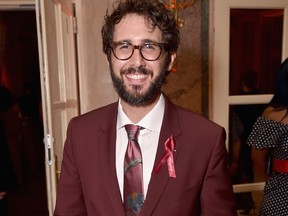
(70, 201)
(217, 196)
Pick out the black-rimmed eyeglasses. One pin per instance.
(149, 51)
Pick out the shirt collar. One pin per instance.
(152, 121)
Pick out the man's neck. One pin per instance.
(136, 113)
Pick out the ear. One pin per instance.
(172, 59)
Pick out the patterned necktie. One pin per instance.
(133, 179)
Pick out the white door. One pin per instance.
(231, 56)
(57, 57)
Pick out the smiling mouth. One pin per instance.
(136, 76)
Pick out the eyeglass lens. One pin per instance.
(149, 51)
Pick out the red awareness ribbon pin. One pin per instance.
(167, 157)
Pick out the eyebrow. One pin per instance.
(142, 42)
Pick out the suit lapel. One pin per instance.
(158, 182)
(107, 149)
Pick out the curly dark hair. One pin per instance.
(155, 14)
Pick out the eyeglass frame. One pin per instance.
(139, 47)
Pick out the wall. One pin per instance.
(184, 86)
(96, 87)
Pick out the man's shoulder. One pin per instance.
(196, 119)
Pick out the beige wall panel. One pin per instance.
(96, 87)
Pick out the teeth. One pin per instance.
(136, 76)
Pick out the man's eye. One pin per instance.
(149, 46)
(124, 46)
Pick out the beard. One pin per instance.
(135, 97)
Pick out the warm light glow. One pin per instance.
(175, 5)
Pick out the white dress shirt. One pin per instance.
(148, 141)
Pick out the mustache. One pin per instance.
(140, 70)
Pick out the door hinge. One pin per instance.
(75, 25)
(48, 141)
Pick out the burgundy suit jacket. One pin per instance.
(88, 184)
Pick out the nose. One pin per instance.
(136, 59)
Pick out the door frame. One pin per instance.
(220, 85)
(68, 104)
(59, 82)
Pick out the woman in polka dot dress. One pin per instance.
(270, 131)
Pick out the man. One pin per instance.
(184, 160)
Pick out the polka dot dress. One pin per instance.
(274, 135)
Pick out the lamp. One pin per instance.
(175, 5)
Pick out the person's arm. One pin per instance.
(236, 148)
(69, 200)
(217, 196)
(258, 158)
(2, 194)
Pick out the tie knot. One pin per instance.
(132, 131)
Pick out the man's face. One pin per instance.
(137, 80)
